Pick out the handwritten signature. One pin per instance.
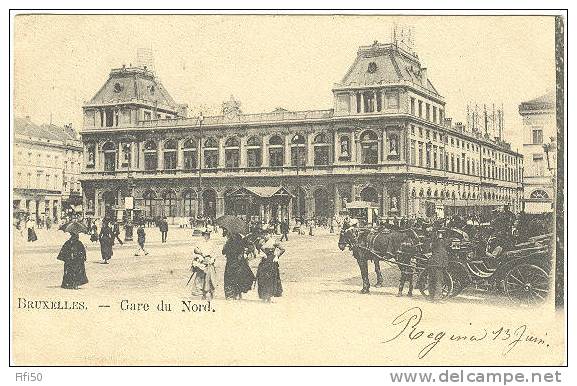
(408, 325)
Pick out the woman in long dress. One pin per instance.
(106, 238)
(30, 225)
(202, 267)
(238, 277)
(268, 273)
(73, 254)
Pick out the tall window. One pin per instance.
(413, 152)
(298, 150)
(149, 203)
(369, 147)
(253, 152)
(345, 144)
(420, 153)
(420, 109)
(412, 106)
(276, 151)
(210, 153)
(369, 99)
(170, 154)
(322, 149)
(428, 112)
(169, 201)
(109, 150)
(232, 153)
(150, 156)
(189, 203)
(190, 154)
(537, 136)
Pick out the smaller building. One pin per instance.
(46, 169)
(539, 152)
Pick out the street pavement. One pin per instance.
(321, 318)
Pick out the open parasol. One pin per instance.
(76, 228)
(233, 224)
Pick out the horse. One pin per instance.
(369, 244)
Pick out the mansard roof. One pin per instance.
(392, 64)
(543, 102)
(134, 85)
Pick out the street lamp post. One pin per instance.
(199, 194)
(295, 140)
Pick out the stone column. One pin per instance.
(97, 157)
(287, 149)
(337, 201)
(264, 151)
(159, 155)
(353, 97)
(140, 155)
(133, 155)
(180, 154)
(310, 150)
(363, 110)
(242, 151)
(219, 204)
(221, 155)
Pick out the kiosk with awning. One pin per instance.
(365, 211)
(260, 203)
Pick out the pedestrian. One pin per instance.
(268, 273)
(30, 229)
(284, 230)
(73, 254)
(202, 267)
(116, 233)
(94, 232)
(163, 226)
(238, 277)
(141, 238)
(106, 238)
(311, 226)
(438, 264)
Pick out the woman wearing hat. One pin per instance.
(73, 254)
(203, 267)
(238, 277)
(106, 238)
(268, 273)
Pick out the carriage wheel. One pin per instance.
(423, 283)
(460, 280)
(527, 284)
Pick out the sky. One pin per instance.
(61, 61)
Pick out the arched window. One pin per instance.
(169, 201)
(170, 154)
(190, 154)
(254, 152)
(149, 203)
(150, 156)
(298, 150)
(109, 150)
(211, 153)
(539, 194)
(232, 153)
(369, 147)
(276, 151)
(190, 203)
(370, 194)
(321, 149)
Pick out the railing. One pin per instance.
(242, 118)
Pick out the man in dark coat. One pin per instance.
(141, 238)
(163, 227)
(73, 254)
(438, 263)
(284, 230)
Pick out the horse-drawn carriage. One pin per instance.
(521, 271)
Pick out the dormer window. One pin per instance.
(372, 68)
(117, 87)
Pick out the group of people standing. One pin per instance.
(238, 276)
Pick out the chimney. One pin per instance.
(448, 122)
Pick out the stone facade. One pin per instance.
(539, 134)
(386, 141)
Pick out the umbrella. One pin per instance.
(233, 224)
(76, 228)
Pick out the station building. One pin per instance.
(386, 141)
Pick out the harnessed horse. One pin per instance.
(369, 244)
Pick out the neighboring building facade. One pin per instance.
(46, 168)
(386, 141)
(539, 151)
